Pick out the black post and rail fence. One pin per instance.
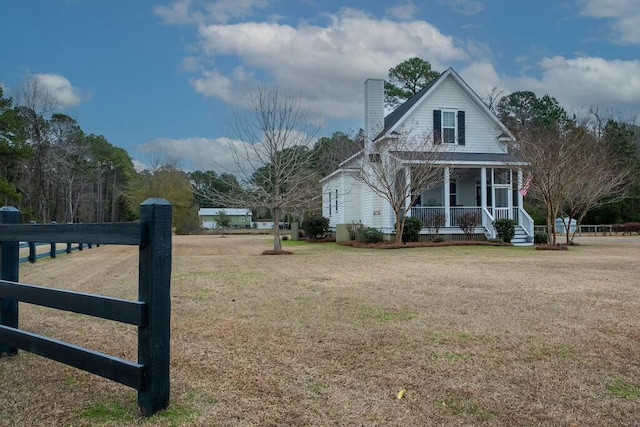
(151, 313)
(35, 254)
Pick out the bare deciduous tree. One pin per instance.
(401, 170)
(572, 172)
(597, 178)
(551, 160)
(274, 162)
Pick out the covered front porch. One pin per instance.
(479, 195)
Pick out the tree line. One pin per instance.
(53, 171)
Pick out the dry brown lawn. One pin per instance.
(475, 335)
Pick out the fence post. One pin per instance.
(32, 252)
(68, 248)
(154, 283)
(9, 262)
(52, 251)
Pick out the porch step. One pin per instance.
(521, 238)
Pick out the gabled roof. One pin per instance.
(397, 114)
(395, 118)
(341, 166)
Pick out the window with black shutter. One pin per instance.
(461, 139)
(437, 127)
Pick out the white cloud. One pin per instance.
(60, 88)
(199, 153)
(580, 83)
(228, 88)
(177, 13)
(404, 11)
(201, 12)
(623, 14)
(482, 77)
(464, 7)
(328, 64)
(139, 166)
(224, 10)
(577, 83)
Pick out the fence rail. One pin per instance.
(53, 252)
(590, 230)
(151, 313)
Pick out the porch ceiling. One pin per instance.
(455, 157)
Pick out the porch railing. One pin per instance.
(501, 213)
(431, 215)
(525, 221)
(428, 215)
(487, 223)
(458, 212)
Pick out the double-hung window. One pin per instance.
(448, 127)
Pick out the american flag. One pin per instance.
(527, 183)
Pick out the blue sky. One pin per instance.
(161, 78)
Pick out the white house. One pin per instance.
(240, 218)
(456, 131)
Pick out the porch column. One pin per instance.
(407, 200)
(447, 197)
(520, 196)
(483, 187)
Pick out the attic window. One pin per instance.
(449, 127)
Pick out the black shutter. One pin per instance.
(461, 140)
(437, 127)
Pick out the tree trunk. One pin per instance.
(399, 225)
(277, 244)
(551, 230)
(114, 197)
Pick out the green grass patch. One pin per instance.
(71, 382)
(381, 315)
(464, 336)
(560, 351)
(465, 406)
(175, 415)
(110, 413)
(452, 357)
(115, 413)
(290, 243)
(624, 389)
(316, 386)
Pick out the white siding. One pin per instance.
(326, 186)
(373, 110)
(381, 212)
(480, 131)
(349, 199)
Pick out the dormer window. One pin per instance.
(448, 127)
